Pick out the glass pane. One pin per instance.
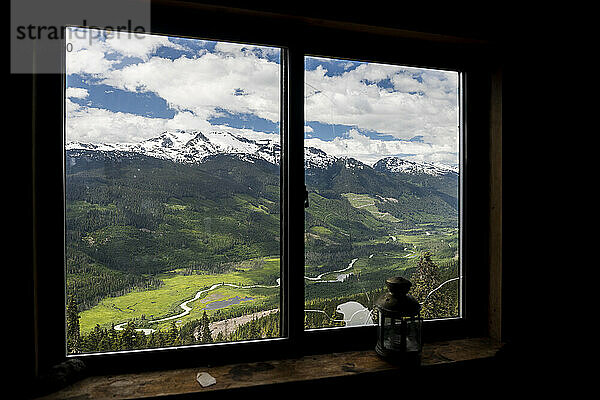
(382, 146)
(172, 191)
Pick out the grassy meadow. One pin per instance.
(148, 305)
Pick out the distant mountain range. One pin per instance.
(204, 200)
(194, 147)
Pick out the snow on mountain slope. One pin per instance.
(193, 147)
(190, 146)
(395, 164)
(315, 158)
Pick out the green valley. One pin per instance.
(173, 251)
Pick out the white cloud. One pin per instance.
(205, 83)
(71, 107)
(354, 144)
(194, 87)
(140, 46)
(94, 51)
(78, 93)
(418, 102)
(84, 58)
(412, 102)
(96, 125)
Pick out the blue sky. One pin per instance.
(131, 89)
(369, 110)
(107, 97)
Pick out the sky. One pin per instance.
(124, 88)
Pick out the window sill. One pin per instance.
(304, 370)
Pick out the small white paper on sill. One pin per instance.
(205, 379)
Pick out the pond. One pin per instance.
(215, 305)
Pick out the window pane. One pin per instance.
(172, 191)
(382, 171)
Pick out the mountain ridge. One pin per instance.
(195, 147)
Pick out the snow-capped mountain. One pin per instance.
(193, 147)
(395, 164)
(316, 158)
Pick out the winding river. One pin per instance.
(340, 278)
(345, 309)
(187, 309)
(354, 313)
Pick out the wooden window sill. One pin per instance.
(182, 382)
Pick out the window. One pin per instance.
(141, 242)
(172, 193)
(382, 158)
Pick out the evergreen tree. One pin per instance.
(425, 279)
(205, 332)
(93, 339)
(161, 339)
(106, 343)
(139, 340)
(113, 338)
(73, 335)
(152, 340)
(174, 335)
(254, 331)
(127, 338)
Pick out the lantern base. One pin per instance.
(404, 358)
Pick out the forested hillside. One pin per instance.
(137, 224)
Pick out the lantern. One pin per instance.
(399, 324)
